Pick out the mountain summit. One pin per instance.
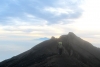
(71, 34)
(75, 53)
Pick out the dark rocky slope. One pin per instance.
(77, 53)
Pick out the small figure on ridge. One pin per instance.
(60, 48)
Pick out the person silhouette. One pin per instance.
(60, 48)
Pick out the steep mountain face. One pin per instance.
(76, 53)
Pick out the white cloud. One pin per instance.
(90, 18)
(58, 11)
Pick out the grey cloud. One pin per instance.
(36, 8)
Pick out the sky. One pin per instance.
(25, 23)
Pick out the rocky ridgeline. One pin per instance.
(76, 53)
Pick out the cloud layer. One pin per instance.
(51, 11)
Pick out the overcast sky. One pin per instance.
(25, 23)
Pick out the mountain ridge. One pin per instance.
(76, 53)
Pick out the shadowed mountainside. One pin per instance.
(76, 53)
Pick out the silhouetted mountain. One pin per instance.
(76, 53)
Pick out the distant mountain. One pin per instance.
(76, 53)
(42, 39)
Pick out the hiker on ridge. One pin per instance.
(60, 48)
